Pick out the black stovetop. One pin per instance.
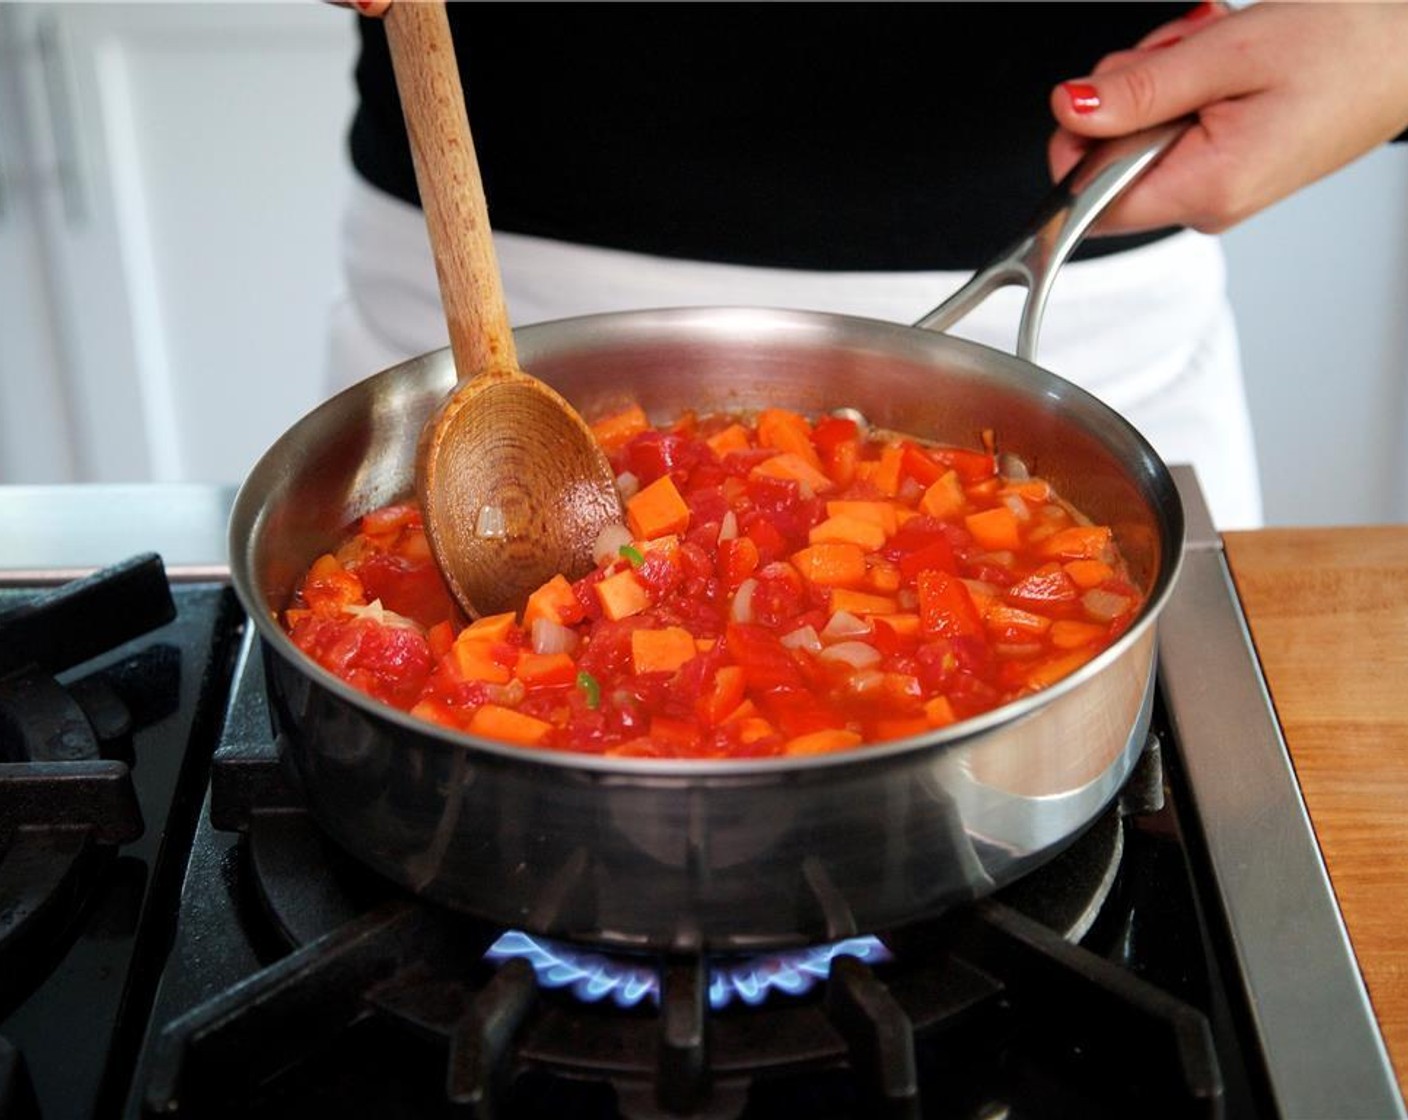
(228, 960)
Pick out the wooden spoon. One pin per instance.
(512, 485)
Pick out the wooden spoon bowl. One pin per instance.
(513, 486)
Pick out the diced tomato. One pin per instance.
(765, 661)
(1048, 584)
(972, 466)
(391, 663)
(946, 609)
(769, 540)
(738, 559)
(651, 454)
(792, 589)
(936, 556)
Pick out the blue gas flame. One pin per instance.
(595, 976)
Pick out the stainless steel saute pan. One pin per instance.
(655, 854)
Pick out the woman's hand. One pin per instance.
(1283, 94)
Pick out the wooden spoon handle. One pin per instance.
(452, 195)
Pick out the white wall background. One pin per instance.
(170, 178)
(1320, 285)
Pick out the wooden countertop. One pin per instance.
(1328, 611)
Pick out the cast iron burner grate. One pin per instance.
(66, 792)
(386, 1006)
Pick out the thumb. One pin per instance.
(1143, 88)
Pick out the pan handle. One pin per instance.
(1033, 261)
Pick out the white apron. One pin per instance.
(1150, 331)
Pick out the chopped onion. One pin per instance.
(982, 588)
(510, 695)
(741, 609)
(627, 485)
(911, 490)
(1102, 605)
(1017, 504)
(609, 543)
(552, 637)
(907, 599)
(865, 681)
(843, 625)
(804, 637)
(490, 524)
(728, 527)
(375, 612)
(858, 655)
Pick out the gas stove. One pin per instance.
(178, 938)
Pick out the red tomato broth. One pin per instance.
(789, 589)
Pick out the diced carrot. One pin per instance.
(732, 438)
(473, 660)
(903, 689)
(493, 721)
(861, 602)
(545, 669)
(785, 464)
(661, 651)
(673, 732)
(939, 712)
(787, 431)
(844, 527)
(831, 565)
(1000, 616)
(983, 595)
(878, 513)
(614, 431)
(1051, 671)
(436, 711)
(985, 491)
(294, 615)
(882, 576)
(905, 624)
(746, 710)
(945, 498)
(753, 728)
(822, 742)
(1079, 542)
(491, 627)
(555, 601)
(901, 727)
(622, 595)
(657, 510)
(886, 475)
(1086, 574)
(1070, 634)
(440, 638)
(995, 529)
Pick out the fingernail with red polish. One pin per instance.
(1164, 43)
(1084, 97)
(1201, 11)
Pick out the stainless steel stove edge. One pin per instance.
(1322, 1047)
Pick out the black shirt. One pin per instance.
(822, 136)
